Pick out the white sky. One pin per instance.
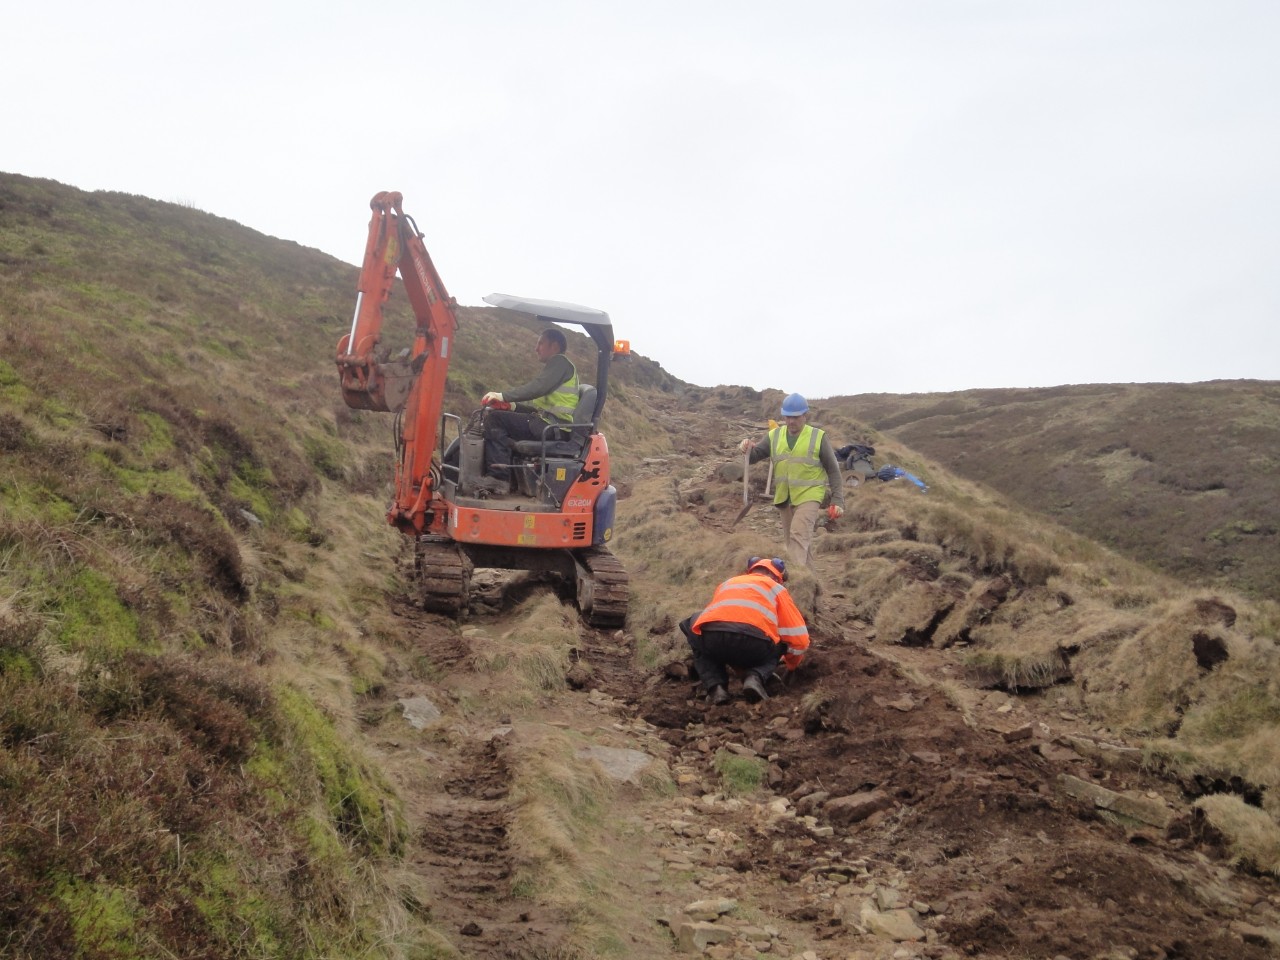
(824, 196)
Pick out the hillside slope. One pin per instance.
(225, 730)
(1178, 476)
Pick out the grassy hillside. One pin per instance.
(198, 593)
(1181, 477)
(188, 610)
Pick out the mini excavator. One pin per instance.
(557, 518)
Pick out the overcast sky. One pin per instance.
(824, 196)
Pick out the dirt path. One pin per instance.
(902, 816)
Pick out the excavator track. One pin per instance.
(442, 575)
(603, 587)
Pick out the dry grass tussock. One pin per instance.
(532, 658)
(1252, 837)
(569, 845)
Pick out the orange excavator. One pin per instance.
(557, 515)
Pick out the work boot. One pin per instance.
(718, 696)
(494, 486)
(753, 689)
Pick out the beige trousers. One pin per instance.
(799, 521)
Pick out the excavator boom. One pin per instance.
(414, 383)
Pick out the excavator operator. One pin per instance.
(523, 412)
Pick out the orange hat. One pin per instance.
(775, 567)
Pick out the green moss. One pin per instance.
(301, 529)
(328, 455)
(159, 439)
(254, 498)
(359, 801)
(143, 481)
(15, 663)
(30, 502)
(268, 769)
(11, 387)
(740, 775)
(91, 616)
(104, 917)
(323, 845)
(237, 914)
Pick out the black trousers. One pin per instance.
(714, 651)
(502, 428)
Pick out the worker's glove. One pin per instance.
(490, 398)
(746, 445)
(835, 512)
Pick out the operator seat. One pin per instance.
(564, 441)
(554, 462)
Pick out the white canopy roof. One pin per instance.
(550, 309)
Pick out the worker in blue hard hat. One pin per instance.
(806, 474)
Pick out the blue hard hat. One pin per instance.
(794, 406)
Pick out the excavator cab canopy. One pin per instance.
(595, 323)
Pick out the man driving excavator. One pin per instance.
(524, 412)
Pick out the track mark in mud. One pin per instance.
(465, 830)
(461, 849)
(459, 811)
(602, 660)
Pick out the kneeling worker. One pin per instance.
(752, 624)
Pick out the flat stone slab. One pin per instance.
(1133, 806)
(857, 806)
(618, 762)
(419, 711)
(697, 935)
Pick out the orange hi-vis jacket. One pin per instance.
(758, 601)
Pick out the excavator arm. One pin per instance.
(411, 385)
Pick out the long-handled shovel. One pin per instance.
(768, 483)
(746, 487)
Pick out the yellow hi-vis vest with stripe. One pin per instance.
(562, 401)
(798, 470)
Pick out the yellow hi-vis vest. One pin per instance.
(562, 401)
(798, 470)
